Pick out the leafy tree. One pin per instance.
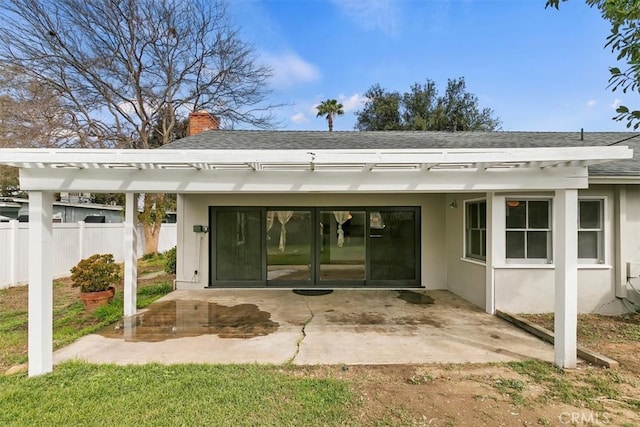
(9, 185)
(124, 68)
(422, 109)
(419, 106)
(329, 109)
(381, 110)
(624, 41)
(458, 110)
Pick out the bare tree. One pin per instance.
(127, 69)
(31, 115)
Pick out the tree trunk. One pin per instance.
(151, 219)
(151, 236)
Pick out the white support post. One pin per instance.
(80, 240)
(490, 292)
(566, 278)
(40, 340)
(13, 252)
(130, 255)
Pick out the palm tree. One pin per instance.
(329, 108)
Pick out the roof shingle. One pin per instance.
(309, 140)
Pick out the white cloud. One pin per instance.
(616, 103)
(352, 103)
(299, 118)
(371, 14)
(290, 69)
(591, 103)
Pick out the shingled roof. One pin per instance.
(309, 140)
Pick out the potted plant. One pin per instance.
(96, 277)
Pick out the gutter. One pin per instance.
(633, 179)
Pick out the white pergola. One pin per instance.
(561, 170)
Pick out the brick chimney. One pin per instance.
(200, 121)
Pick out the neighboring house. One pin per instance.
(12, 208)
(16, 208)
(517, 221)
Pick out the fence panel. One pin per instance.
(102, 239)
(71, 242)
(66, 238)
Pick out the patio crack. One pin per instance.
(303, 332)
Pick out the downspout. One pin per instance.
(620, 233)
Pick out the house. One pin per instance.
(63, 211)
(517, 221)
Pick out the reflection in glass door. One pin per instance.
(393, 245)
(289, 245)
(238, 245)
(342, 245)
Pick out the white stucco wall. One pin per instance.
(465, 278)
(194, 210)
(630, 243)
(518, 288)
(521, 290)
(524, 289)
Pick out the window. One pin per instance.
(590, 230)
(476, 230)
(528, 225)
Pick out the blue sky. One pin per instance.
(538, 69)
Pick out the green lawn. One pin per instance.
(70, 320)
(80, 394)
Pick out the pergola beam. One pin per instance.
(337, 181)
(427, 158)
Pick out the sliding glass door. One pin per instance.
(289, 241)
(237, 248)
(393, 245)
(315, 247)
(342, 246)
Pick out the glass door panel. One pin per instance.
(289, 245)
(238, 245)
(392, 245)
(342, 245)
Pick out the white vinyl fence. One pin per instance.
(71, 243)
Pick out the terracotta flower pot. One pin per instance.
(93, 300)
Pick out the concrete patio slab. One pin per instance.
(280, 326)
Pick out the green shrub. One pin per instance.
(94, 274)
(170, 261)
(149, 256)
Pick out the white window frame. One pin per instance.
(602, 232)
(548, 230)
(467, 244)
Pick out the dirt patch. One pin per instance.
(177, 319)
(373, 318)
(417, 320)
(368, 318)
(617, 337)
(415, 297)
(466, 395)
